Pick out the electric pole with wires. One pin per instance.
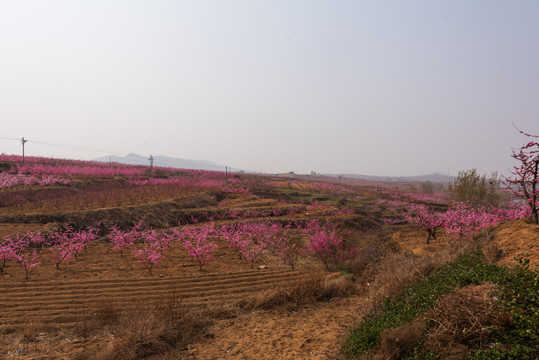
(151, 163)
(23, 141)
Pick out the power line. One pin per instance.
(7, 138)
(158, 162)
(78, 148)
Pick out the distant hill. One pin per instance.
(164, 161)
(435, 178)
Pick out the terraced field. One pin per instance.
(63, 303)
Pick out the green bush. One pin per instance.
(519, 297)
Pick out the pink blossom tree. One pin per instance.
(6, 253)
(124, 240)
(524, 181)
(327, 244)
(61, 248)
(198, 242)
(424, 219)
(149, 256)
(82, 238)
(288, 248)
(463, 220)
(251, 239)
(27, 261)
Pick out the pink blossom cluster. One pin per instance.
(154, 246)
(15, 247)
(124, 240)
(10, 180)
(148, 246)
(251, 239)
(67, 243)
(524, 181)
(62, 244)
(393, 207)
(429, 221)
(326, 242)
(461, 220)
(236, 190)
(288, 248)
(437, 197)
(93, 171)
(154, 181)
(198, 242)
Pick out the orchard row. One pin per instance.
(251, 240)
(461, 220)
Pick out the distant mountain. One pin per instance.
(435, 178)
(164, 161)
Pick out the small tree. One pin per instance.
(426, 220)
(27, 261)
(148, 256)
(327, 243)
(289, 249)
(427, 188)
(6, 252)
(198, 242)
(524, 181)
(477, 190)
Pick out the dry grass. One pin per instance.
(146, 329)
(164, 329)
(466, 316)
(312, 288)
(383, 268)
(398, 340)
(457, 322)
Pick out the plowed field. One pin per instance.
(59, 304)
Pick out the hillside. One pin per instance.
(163, 161)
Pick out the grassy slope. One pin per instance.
(519, 297)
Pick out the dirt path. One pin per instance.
(314, 332)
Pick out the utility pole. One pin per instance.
(226, 173)
(23, 142)
(151, 163)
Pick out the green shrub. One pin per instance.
(519, 296)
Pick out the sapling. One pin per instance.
(6, 252)
(148, 256)
(26, 261)
(327, 243)
(425, 219)
(198, 242)
(288, 248)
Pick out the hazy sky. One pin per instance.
(370, 87)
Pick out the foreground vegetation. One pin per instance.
(437, 315)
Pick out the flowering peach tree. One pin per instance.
(525, 178)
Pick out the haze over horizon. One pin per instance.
(352, 87)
